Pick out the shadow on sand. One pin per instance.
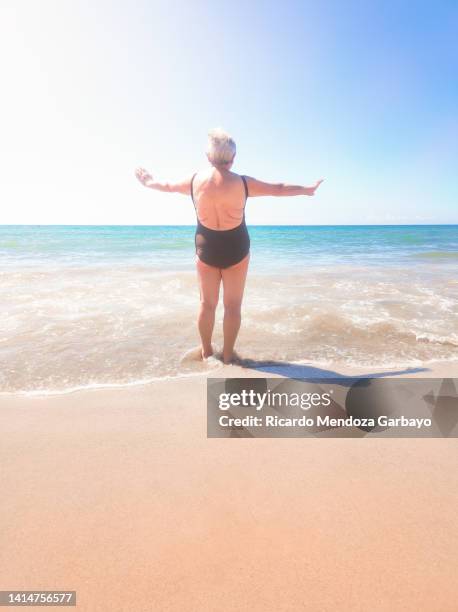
(309, 372)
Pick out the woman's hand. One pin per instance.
(143, 176)
(314, 187)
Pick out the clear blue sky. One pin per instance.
(364, 94)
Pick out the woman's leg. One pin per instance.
(233, 283)
(209, 282)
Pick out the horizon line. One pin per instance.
(249, 225)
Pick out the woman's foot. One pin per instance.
(206, 352)
(229, 358)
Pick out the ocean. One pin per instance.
(86, 306)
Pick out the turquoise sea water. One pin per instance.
(103, 305)
(273, 247)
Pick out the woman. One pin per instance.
(222, 240)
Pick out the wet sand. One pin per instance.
(119, 495)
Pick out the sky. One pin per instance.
(362, 94)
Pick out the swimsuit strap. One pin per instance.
(246, 187)
(246, 194)
(192, 197)
(192, 192)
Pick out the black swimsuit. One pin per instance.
(222, 248)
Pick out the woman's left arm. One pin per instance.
(145, 178)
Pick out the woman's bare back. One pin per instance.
(219, 197)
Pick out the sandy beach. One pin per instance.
(119, 495)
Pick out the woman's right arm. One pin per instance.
(260, 188)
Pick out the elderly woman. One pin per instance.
(222, 240)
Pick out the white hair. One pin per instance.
(221, 147)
